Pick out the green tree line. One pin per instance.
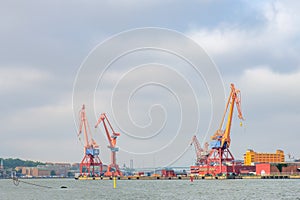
(15, 162)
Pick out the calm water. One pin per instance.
(152, 189)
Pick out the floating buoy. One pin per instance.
(191, 178)
(115, 182)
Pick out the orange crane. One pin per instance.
(91, 149)
(201, 153)
(113, 168)
(220, 144)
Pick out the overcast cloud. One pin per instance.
(255, 44)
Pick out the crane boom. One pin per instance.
(102, 118)
(83, 124)
(235, 99)
(86, 130)
(201, 153)
(223, 136)
(111, 138)
(113, 168)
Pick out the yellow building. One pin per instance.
(252, 157)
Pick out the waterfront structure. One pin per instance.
(49, 169)
(292, 168)
(91, 165)
(113, 168)
(220, 160)
(251, 157)
(35, 172)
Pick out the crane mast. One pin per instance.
(88, 144)
(113, 167)
(91, 158)
(221, 140)
(235, 99)
(222, 137)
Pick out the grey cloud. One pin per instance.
(55, 36)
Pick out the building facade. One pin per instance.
(251, 157)
(35, 172)
(278, 168)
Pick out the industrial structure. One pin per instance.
(113, 168)
(277, 168)
(214, 159)
(251, 157)
(201, 153)
(91, 164)
(220, 159)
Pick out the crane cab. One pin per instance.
(93, 152)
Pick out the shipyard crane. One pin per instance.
(201, 153)
(113, 168)
(222, 137)
(220, 144)
(91, 158)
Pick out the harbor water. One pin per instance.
(67, 189)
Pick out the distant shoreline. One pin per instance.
(195, 178)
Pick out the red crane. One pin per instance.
(91, 149)
(113, 167)
(201, 153)
(220, 144)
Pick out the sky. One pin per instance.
(154, 98)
